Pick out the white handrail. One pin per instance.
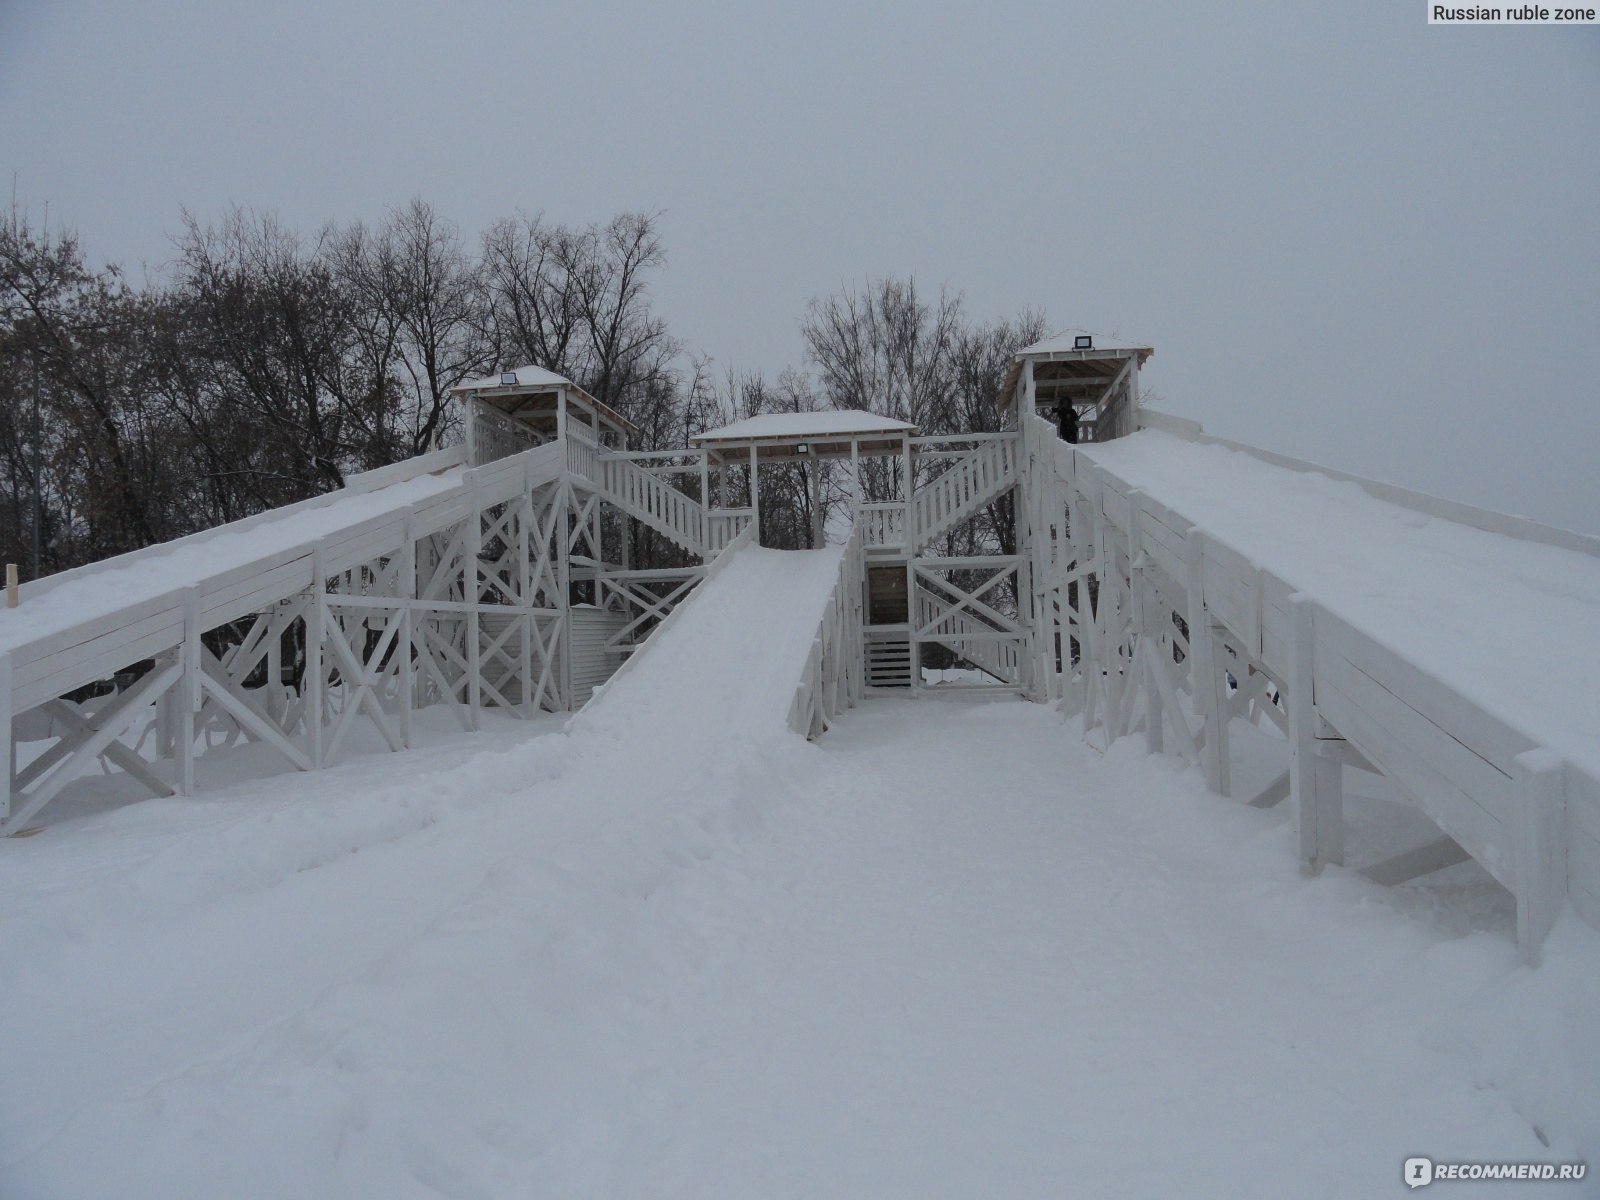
(834, 678)
(969, 484)
(971, 639)
(640, 493)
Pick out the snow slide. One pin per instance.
(1506, 621)
(725, 664)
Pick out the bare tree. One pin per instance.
(418, 315)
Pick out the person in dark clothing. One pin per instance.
(1067, 417)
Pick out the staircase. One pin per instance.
(647, 498)
(968, 485)
(888, 656)
(972, 640)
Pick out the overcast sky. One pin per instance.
(1348, 235)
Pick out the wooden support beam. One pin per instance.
(472, 582)
(9, 745)
(1274, 793)
(406, 647)
(1208, 685)
(1541, 844)
(1317, 779)
(314, 679)
(189, 692)
(64, 712)
(114, 722)
(1413, 864)
(755, 493)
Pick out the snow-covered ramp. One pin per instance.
(724, 665)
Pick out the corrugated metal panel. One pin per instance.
(592, 664)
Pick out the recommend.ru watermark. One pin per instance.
(1420, 1172)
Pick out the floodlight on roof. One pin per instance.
(803, 448)
(508, 379)
(1084, 341)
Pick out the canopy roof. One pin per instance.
(1062, 373)
(829, 433)
(534, 396)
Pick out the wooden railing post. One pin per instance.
(314, 678)
(1540, 787)
(1207, 685)
(10, 742)
(1315, 778)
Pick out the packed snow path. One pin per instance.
(519, 965)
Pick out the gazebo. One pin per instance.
(1091, 391)
(801, 437)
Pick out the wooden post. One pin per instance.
(10, 743)
(814, 466)
(273, 701)
(472, 586)
(1207, 686)
(406, 586)
(910, 537)
(12, 586)
(755, 495)
(1540, 785)
(705, 507)
(188, 690)
(471, 423)
(1315, 779)
(563, 503)
(1107, 638)
(527, 522)
(1145, 643)
(314, 680)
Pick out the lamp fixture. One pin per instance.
(803, 448)
(508, 379)
(1083, 341)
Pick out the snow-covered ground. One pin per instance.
(947, 950)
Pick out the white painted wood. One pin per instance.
(1413, 864)
(1541, 848)
(114, 722)
(1317, 783)
(8, 733)
(1207, 682)
(315, 679)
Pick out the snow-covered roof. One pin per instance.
(531, 393)
(1058, 364)
(526, 377)
(1063, 342)
(830, 423)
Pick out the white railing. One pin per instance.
(496, 436)
(993, 651)
(969, 484)
(640, 493)
(583, 458)
(882, 524)
(835, 673)
(723, 525)
(1530, 817)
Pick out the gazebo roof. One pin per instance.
(829, 432)
(1063, 372)
(530, 392)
